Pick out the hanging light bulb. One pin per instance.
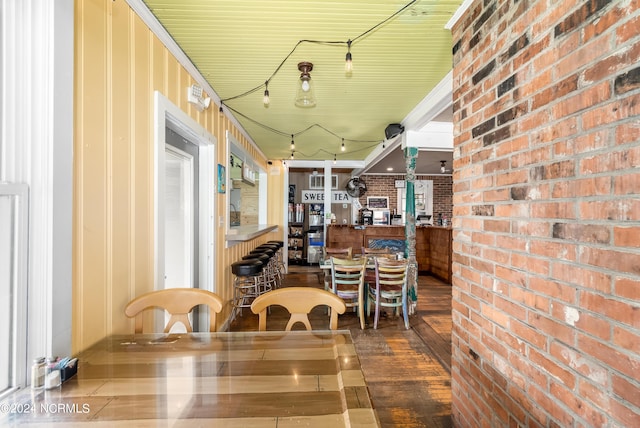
(348, 64)
(343, 148)
(265, 99)
(383, 147)
(304, 95)
(293, 145)
(292, 155)
(443, 168)
(334, 159)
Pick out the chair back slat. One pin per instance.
(299, 301)
(178, 302)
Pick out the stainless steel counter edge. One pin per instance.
(247, 233)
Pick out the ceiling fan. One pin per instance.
(356, 187)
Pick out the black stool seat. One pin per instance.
(280, 244)
(274, 247)
(269, 251)
(247, 267)
(264, 258)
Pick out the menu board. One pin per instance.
(378, 202)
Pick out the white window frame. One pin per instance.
(316, 181)
(18, 271)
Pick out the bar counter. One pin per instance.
(433, 244)
(266, 379)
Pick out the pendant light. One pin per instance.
(304, 95)
(348, 63)
(265, 100)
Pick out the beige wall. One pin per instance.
(119, 63)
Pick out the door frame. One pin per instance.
(188, 159)
(169, 115)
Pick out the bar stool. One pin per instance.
(246, 283)
(264, 283)
(278, 264)
(280, 259)
(271, 277)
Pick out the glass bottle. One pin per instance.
(52, 377)
(37, 373)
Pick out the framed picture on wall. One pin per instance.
(222, 179)
(378, 202)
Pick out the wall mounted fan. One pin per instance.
(356, 187)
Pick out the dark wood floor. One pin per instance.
(407, 371)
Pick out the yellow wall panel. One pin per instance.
(119, 165)
(119, 65)
(90, 261)
(142, 162)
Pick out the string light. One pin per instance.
(348, 69)
(265, 100)
(334, 159)
(348, 62)
(293, 144)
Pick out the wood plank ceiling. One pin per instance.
(400, 50)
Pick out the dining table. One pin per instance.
(228, 379)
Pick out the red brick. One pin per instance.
(549, 287)
(611, 259)
(615, 111)
(617, 210)
(585, 187)
(555, 250)
(609, 356)
(627, 287)
(556, 210)
(628, 30)
(617, 310)
(627, 185)
(627, 339)
(583, 143)
(583, 100)
(627, 236)
(583, 408)
(585, 278)
(563, 186)
(624, 415)
(578, 361)
(552, 327)
(623, 387)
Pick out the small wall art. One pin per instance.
(222, 179)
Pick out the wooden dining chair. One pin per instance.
(178, 302)
(347, 282)
(370, 254)
(299, 301)
(328, 252)
(336, 251)
(389, 288)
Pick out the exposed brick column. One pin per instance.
(546, 214)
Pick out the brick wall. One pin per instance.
(546, 185)
(384, 185)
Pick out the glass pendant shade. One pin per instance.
(304, 94)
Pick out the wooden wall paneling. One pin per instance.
(90, 166)
(143, 79)
(119, 166)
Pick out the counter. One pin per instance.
(247, 233)
(433, 244)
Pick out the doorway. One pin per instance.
(184, 204)
(181, 212)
